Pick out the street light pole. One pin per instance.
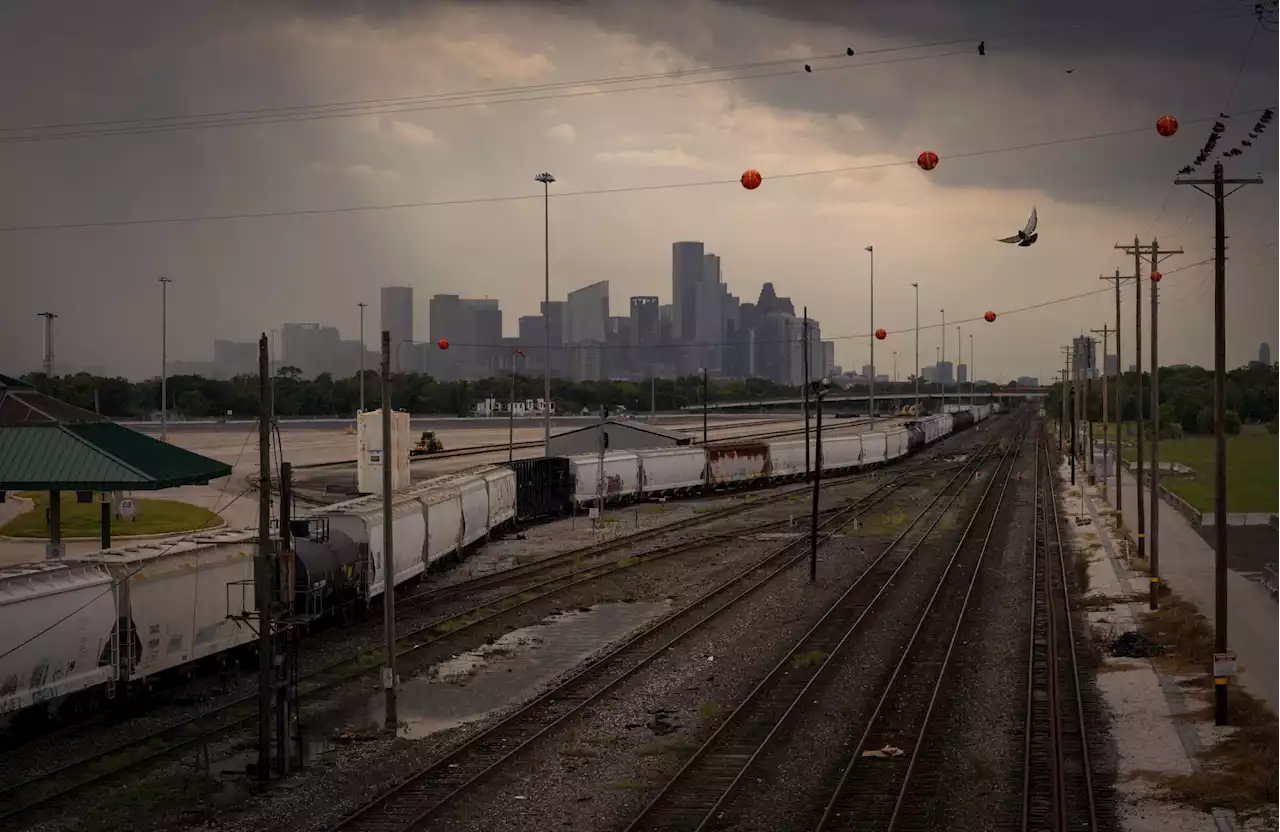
(942, 379)
(871, 251)
(895, 366)
(973, 376)
(959, 355)
(916, 286)
(546, 179)
(362, 306)
(164, 358)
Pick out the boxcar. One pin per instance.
(621, 477)
(178, 599)
(841, 452)
(787, 458)
(874, 448)
(737, 464)
(57, 619)
(501, 484)
(544, 487)
(672, 470)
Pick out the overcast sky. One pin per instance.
(65, 62)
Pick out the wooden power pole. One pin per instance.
(1223, 662)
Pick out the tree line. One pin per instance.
(1186, 399)
(197, 397)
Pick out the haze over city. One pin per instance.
(1042, 80)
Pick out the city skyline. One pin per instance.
(298, 221)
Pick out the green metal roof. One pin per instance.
(96, 457)
(49, 445)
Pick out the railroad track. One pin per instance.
(433, 595)
(871, 793)
(428, 791)
(42, 789)
(698, 793)
(1057, 783)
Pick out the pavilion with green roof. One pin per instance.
(49, 445)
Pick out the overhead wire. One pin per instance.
(345, 209)
(564, 89)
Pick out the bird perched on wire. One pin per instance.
(1026, 236)
(982, 47)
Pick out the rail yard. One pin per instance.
(680, 672)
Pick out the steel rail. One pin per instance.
(697, 794)
(843, 808)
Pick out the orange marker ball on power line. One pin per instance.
(1155, 277)
(927, 160)
(881, 335)
(751, 180)
(443, 343)
(1166, 125)
(990, 317)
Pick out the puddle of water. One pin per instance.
(471, 685)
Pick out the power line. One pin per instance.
(566, 194)
(556, 90)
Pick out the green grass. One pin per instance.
(1252, 482)
(85, 519)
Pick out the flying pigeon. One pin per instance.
(982, 47)
(1026, 236)
(848, 50)
(808, 68)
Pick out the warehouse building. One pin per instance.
(620, 435)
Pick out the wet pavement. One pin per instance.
(474, 684)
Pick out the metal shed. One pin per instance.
(620, 435)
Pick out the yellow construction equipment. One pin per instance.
(426, 444)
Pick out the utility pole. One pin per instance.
(601, 445)
(804, 386)
(262, 566)
(1153, 556)
(546, 179)
(1119, 397)
(1137, 251)
(1090, 363)
(1063, 438)
(284, 635)
(872, 252)
(704, 405)
(1221, 680)
(1155, 422)
(362, 305)
(1074, 414)
(1105, 422)
(916, 286)
(818, 392)
(388, 541)
(48, 343)
(164, 358)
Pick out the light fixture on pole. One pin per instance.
(918, 368)
(362, 306)
(872, 251)
(959, 355)
(164, 358)
(48, 343)
(546, 179)
(511, 407)
(973, 376)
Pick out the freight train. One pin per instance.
(85, 627)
